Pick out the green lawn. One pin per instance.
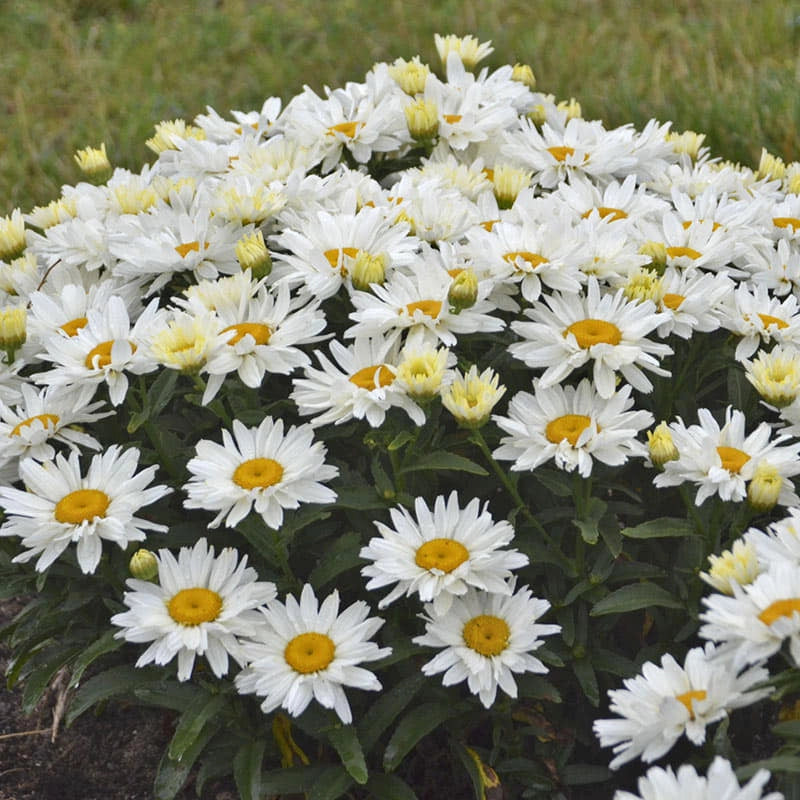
(79, 73)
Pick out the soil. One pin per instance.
(110, 756)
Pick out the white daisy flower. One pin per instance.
(486, 638)
(202, 605)
(573, 426)
(720, 784)
(693, 301)
(780, 545)
(722, 460)
(441, 553)
(310, 651)
(61, 506)
(361, 385)
(607, 330)
(778, 269)
(755, 622)
(662, 703)
(262, 468)
(470, 397)
(740, 564)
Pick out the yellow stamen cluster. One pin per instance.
(775, 375)
(470, 398)
(644, 284)
(410, 76)
(94, 163)
(739, 565)
(309, 652)
(661, 446)
(486, 634)
(252, 254)
(194, 606)
(469, 49)
(12, 236)
(441, 554)
(169, 132)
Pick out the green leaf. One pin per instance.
(404, 437)
(168, 694)
(333, 785)
(121, 680)
(788, 730)
(339, 557)
(557, 483)
(390, 787)
(633, 597)
(105, 644)
(782, 763)
(171, 776)
(39, 678)
(661, 528)
(582, 774)
(192, 721)
(360, 498)
(383, 712)
(584, 672)
(160, 393)
(294, 780)
(590, 526)
(442, 460)
(344, 739)
(416, 725)
(247, 769)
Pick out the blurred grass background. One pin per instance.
(75, 73)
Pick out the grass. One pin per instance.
(80, 72)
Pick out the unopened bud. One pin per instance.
(421, 372)
(661, 446)
(657, 253)
(367, 269)
(508, 182)
(252, 254)
(410, 76)
(770, 166)
(538, 115)
(12, 236)
(463, 291)
(422, 117)
(687, 143)
(143, 565)
(169, 133)
(644, 284)
(522, 73)
(572, 107)
(13, 330)
(94, 163)
(765, 487)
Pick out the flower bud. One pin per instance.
(776, 375)
(644, 284)
(508, 182)
(470, 398)
(422, 118)
(94, 163)
(661, 446)
(738, 565)
(410, 76)
(572, 107)
(522, 73)
(12, 236)
(143, 565)
(687, 143)
(13, 330)
(463, 291)
(538, 115)
(765, 487)
(657, 252)
(169, 133)
(252, 253)
(469, 50)
(367, 269)
(421, 372)
(770, 166)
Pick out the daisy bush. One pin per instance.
(420, 434)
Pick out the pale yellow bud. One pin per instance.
(687, 143)
(791, 180)
(770, 166)
(522, 73)
(463, 291)
(657, 253)
(572, 107)
(12, 236)
(367, 269)
(776, 375)
(143, 565)
(644, 284)
(469, 50)
(54, 213)
(13, 330)
(410, 76)
(765, 487)
(421, 372)
(508, 182)
(661, 446)
(252, 254)
(422, 118)
(170, 132)
(94, 163)
(470, 398)
(538, 115)
(737, 565)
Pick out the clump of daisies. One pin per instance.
(434, 344)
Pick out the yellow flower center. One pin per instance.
(431, 308)
(672, 301)
(451, 119)
(443, 554)
(258, 473)
(81, 505)
(786, 222)
(687, 698)
(349, 129)
(780, 608)
(309, 652)
(560, 152)
(184, 249)
(678, 252)
(607, 211)
(489, 224)
(259, 332)
(568, 427)
(732, 459)
(193, 606)
(366, 378)
(334, 255)
(715, 226)
(72, 327)
(589, 332)
(768, 319)
(533, 259)
(486, 634)
(46, 419)
(100, 355)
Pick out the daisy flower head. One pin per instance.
(780, 544)
(573, 426)
(723, 459)
(202, 605)
(61, 506)
(438, 554)
(470, 397)
(740, 564)
(665, 702)
(720, 782)
(307, 651)
(263, 468)
(485, 638)
(607, 330)
(753, 624)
